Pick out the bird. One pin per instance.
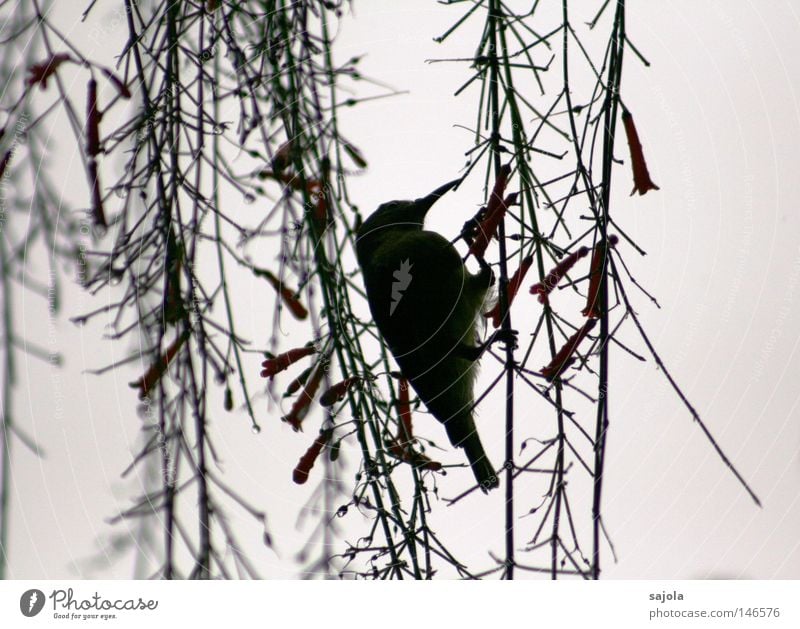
(426, 305)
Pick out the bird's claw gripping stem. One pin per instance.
(509, 337)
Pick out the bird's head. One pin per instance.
(396, 216)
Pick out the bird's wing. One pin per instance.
(415, 285)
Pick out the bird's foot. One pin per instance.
(508, 337)
(470, 352)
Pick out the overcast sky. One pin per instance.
(718, 114)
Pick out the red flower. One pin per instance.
(641, 177)
(552, 279)
(282, 158)
(513, 287)
(92, 120)
(592, 309)
(173, 301)
(306, 462)
(355, 155)
(98, 213)
(146, 383)
(294, 385)
(287, 295)
(318, 194)
(405, 432)
(303, 402)
(495, 211)
(400, 446)
(282, 361)
(337, 392)
(406, 454)
(563, 358)
(40, 72)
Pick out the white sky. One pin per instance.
(718, 115)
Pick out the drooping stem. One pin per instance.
(601, 422)
(495, 22)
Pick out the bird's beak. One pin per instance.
(426, 203)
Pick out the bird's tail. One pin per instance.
(479, 462)
(460, 425)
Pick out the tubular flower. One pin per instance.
(92, 120)
(592, 309)
(408, 455)
(355, 155)
(495, 211)
(98, 213)
(287, 295)
(299, 381)
(271, 366)
(563, 358)
(400, 446)
(405, 431)
(306, 462)
(303, 402)
(641, 176)
(551, 280)
(321, 209)
(488, 227)
(173, 300)
(282, 158)
(146, 383)
(511, 291)
(318, 194)
(337, 392)
(40, 72)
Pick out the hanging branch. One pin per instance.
(553, 140)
